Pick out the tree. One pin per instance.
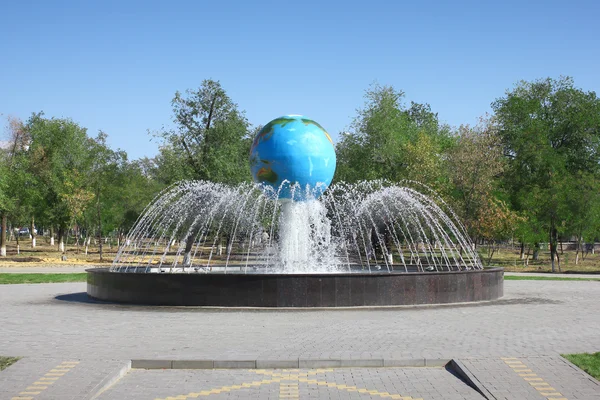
(550, 132)
(211, 140)
(390, 141)
(496, 222)
(475, 163)
(60, 161)
(121, 189)
(15, 188)
(103, 179)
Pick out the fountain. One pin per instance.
(290, 240)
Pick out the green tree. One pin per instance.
(122, 189)
(211, 140)
(59, 158)
(16, 195)
(106, 183)
(550, 132)
(390, 141)
(474, 165)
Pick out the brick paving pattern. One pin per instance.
(351, 383)
(48, 324)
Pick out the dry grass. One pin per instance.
(510, 260)
(43, 253)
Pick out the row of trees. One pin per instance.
(528, 172)
(53, 175)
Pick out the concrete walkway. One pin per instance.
(550, 275)
(73, 348)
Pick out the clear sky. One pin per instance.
(115, 65)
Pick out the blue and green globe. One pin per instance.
(294, 150)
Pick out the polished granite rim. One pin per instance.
(298, 290)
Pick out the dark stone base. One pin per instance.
(301, 290)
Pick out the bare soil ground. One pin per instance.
(45, 255)
(509, 258)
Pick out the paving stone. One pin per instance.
(344, 383)
(535, 321)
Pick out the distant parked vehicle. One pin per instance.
(25, 231)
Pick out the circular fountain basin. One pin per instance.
(256, 289)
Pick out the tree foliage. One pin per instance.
(474, 165)
(390, 141)
(550, 131)
(211, 140)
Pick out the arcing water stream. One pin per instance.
(203, 227)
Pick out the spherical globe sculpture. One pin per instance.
(294, 156)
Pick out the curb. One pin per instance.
(109, 381)
(290, 363)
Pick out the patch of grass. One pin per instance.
(6, 362)
(545, 278)
(8, 278)
(590, 363)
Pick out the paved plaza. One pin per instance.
(508, 349)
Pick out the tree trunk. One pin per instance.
(553, 252)
(561, 248)
(61, 242)
(578, 248)
(99, 213)
(522, 255)
(536, 251)
(77, 240)
(18, 244)
(51, 236)
(3, 236)
(32, 232)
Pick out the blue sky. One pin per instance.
(115, 65)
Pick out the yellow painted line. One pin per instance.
(288, 389)
(538, 383)
(22, 398)
(49, 378)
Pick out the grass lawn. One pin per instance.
(41, 278)
(6, 362)
(545, 278)
(590, 363)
